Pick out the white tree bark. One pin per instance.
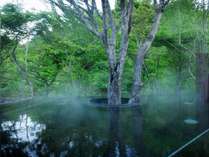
(143, 49)
(86, 11)
(21, 70)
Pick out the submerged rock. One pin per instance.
(190, 121)
(188, 103)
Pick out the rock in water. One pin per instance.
(190, 121)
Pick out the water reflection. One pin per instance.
(24, 129)
(203, 116)
(116, 145)
(113, 133)
(137, 130)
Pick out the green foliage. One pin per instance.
(142, 18)
(14, 20)
(63, 52)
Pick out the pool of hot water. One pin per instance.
(70, 128)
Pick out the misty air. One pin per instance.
(104, 78)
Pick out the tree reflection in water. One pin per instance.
(25, 137)
(24, 129)
(138, 132)
(21, 138)
(116, 145)
(203, 116)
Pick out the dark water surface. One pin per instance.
(67, 128)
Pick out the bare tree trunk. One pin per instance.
(202, 86)
(22, 71)
(202, 78)
(117, 66)
(114, 89)
(142, 51)
(89, 14)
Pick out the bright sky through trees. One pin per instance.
(36, 5)
(40, 5)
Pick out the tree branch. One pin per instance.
(85, 15)
(126, 13)
(109, 28)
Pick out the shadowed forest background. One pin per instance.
(55, 54)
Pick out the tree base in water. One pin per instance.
(103, 103)
(13, 100)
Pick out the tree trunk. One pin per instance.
(202, 77)
(142, 50)
(202, 86)
(135, 98)
(115, 72)
(22, 71)
(109, 37)
(114, 89)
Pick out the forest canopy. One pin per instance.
(48, 52)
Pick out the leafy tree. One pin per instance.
(14, 29)
(104, 26)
